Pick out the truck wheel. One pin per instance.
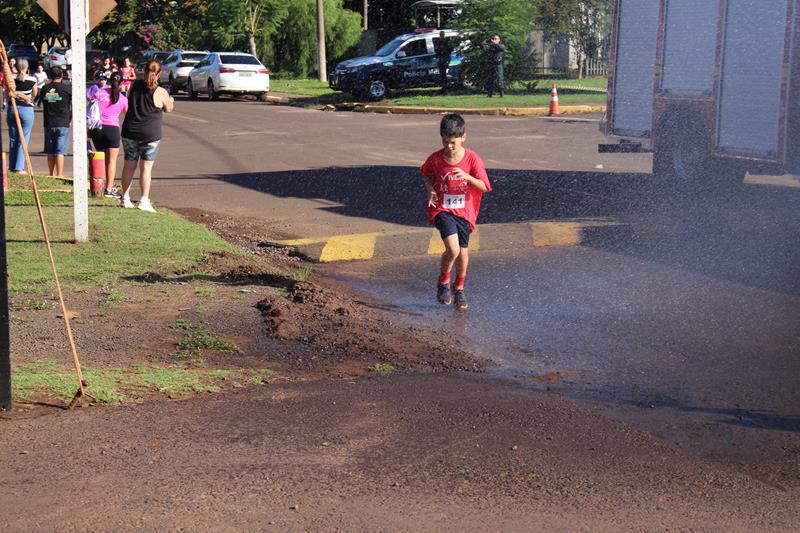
(378, 89)
(681, 151)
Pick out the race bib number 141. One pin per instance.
(454, 201)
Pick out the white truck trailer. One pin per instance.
(707, 85)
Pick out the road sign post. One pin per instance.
(77, 18)
(80, 159)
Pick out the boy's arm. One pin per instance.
(433, 198)
(475, 182)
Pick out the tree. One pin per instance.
(512, 20)
(295, 46)
(583, 21)
(23, 21)
(245, 23)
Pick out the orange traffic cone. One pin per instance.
(554, 110)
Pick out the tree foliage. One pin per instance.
(512, 20)
(283, 33)
(581, 20)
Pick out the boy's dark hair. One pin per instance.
(452, 125)
(56, 73)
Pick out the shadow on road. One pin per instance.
(741, 233)
(395, 193)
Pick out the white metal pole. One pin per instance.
(323, 69)
(80, 162)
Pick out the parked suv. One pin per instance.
(175, 68)
(25, 51)
(55, 58)
(404, 62)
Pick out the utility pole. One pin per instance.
(366, 14)
(323, 69)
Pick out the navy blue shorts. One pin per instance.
(449, 224)
(56, 140)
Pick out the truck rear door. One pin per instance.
(753, 85)
(630, 110)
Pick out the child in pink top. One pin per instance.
(128, 75)
(108, 138)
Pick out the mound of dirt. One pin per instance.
(343, 329)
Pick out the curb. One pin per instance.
(359, 107)
(484, 111)
(486, 237)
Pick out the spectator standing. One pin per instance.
(41, 79)
(107, 138)
(443, 53)
(495, 53)
(68, 61)
(128, 74)
(24, 97)
(141, 133)
(56, 101)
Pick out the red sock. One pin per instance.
(444, 278)
(459, 286)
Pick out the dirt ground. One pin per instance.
(329, 445)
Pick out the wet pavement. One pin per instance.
(688, 325)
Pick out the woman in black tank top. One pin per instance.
(141, 133)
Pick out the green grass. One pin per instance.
(122, 242)
(198, 341)
(383, 369)
(114, 386)
(204, 291)
(529, 93)
(33, 305)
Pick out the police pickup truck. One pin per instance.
(407, 61)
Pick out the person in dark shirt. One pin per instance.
(57, 109)
(495, 52)
(443, 53)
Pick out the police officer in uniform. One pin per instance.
(495, 51)
(443, 53)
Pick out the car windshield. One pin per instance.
(238, 60)
(160, 56)
(390, 47)
(192, 57)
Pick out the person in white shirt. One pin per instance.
(41, 78)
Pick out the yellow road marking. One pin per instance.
(556, 233)
(349, 248)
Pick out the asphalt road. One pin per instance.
(681, 316)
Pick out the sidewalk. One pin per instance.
(537, 111)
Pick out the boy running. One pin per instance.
(456, 180)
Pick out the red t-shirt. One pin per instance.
(456, 196)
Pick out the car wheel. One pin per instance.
(190, 90)
(212, 94)
(377, 89)
(173, 89)
(263, 97)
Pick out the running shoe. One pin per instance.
(459, 300)
(145, 205)
(126, 203)
(113, 192)
(443, 294)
